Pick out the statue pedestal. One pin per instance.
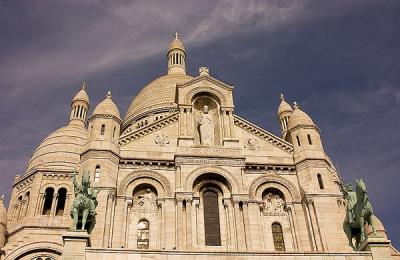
(230, 142)
(185, 141)
(75, 243)
(378, 246)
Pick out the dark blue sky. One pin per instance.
(340, 60)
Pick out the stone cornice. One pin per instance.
(263, 134)
(130, 137)
(30, 175)
(100, 154)
(304, 127)
(210, 161)
(105, 116)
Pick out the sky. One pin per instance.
(340, 60)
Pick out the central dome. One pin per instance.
(160, 93)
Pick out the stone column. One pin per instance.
(119, 216)
(240, 236)
(170, 223)
(293, 228)
(246, 225)
(231, 124)
(189, 241)
(254, 236)
(107, 221)
(225, 120)
(181, 121)
(195, 222)
(54, 204)
(179, 224)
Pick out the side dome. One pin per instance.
(299, 117)
(284, 106)
(61, 149)
(176, 44)
(107, 107)
(158, 94)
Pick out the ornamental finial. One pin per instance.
(109, 94)
(296, 105)
(282, 97)
(176, 34)
(83, 85)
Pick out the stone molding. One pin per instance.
(263, 134)
(317, 163)
(275, 181)
(146, 164)
(132, 136)
(232, 181)
(146, 174)
(100, 155)
(119, 121)
(208, 78)
(215, 92)
(209, 161)
(42, 246)
(304, 127)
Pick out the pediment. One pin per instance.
(204, 84)
(256, 138)
(141, 133)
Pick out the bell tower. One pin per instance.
(176, 57)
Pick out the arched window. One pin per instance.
(62, 196)
(17, 208)
(143, 234)
(115, 129)
(97, 173)
(103, 128)
(277, 235)
(211, 218)
(48, 200)
(309, 139)
(298, 140)
(320, 182)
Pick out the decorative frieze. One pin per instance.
(201, 151)
(312, 163)
(210, 161)
(147, 164)
(161, 139)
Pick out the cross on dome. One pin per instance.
(295, 104)
(282, 97)
(109, 94)
(176, 34)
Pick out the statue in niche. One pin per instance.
(274, 204)
(206, 127)
(145, 202)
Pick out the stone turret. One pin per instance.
(3, 222)
(284, 113)
(176, 57)
(79, 107)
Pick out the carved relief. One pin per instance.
(145, 201)
(251, 144)
(274, 204)
(161, 139)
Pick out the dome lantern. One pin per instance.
(176, 57)
(79, 107)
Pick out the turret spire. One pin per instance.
(79, 107)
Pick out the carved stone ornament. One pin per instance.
(161, 139)
(251, 144)
(274, 205)
(145, 202)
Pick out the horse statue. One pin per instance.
(359, 212)
(84, 207)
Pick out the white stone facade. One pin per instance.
(165, 193)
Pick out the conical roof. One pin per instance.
(107, 107)
(284, 106)
(82, 95)
(299, 117)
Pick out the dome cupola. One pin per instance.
(176, 57)
(107, 107)
(284, 113)
(299, 117)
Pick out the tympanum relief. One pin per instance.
(145, 201)
(274, 204)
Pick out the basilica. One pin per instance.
(182, 176)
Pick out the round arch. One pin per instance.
(138, 177)
(34, 248)
(233, 183)
(189, 96)
(274, 181)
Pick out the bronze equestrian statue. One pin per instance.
(359, 213)
(84, 207)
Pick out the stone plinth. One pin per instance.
(378, 246)
(75, 243)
